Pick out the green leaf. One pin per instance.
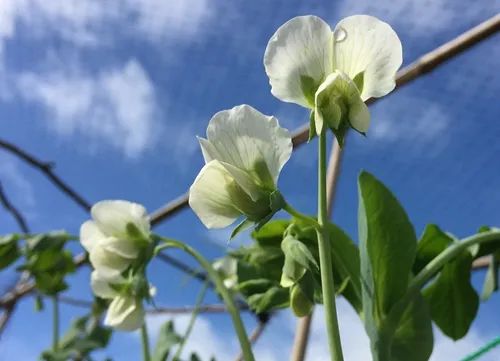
(452, 299)
(244, 225)
(9, 250)
(275, 297)
(387, 247)
(167, 338)
(413, 339)
(312, 127)
(298, 259)
(432, 242)
(346, 267)
(491, 281)
(271, 234)
(485, 248)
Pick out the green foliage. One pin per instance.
(452, 299)
(432, 242)
(281, 267)
(48, 262)
(85, 336)
(413, 339)
(298, 260)
(167, 339)
(9, 250)
(387, 246)
(387, 249)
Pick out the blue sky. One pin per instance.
(115, 92)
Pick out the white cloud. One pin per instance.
(92, 22)
(275, 344)
(420, 18)
(205, 339)
(415, 124)
(117, 106)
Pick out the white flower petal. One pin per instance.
(122, 247)
(113, 216)
(297, 59)
(209, 197)
(108, 264)
(125, 313)
(366, 44)
(101, 286)
(90, 235)
(245, 138)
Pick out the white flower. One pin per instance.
(125, 313)
(227, 267)
(115, 236)
(333, 72)
(244, 153)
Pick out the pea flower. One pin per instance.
(125, 312)
(333, 72)
(115, 236)
(244, 153)
(227, 268)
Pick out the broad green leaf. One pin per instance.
(491, 281)
(167, 338)
(387, 247)
(346, 268)
(432, 242)
(452, 299)
(413, 339)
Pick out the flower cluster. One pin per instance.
(116, 239)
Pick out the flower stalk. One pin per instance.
(55, 324)
(145, 343)
(226, 295)
(327, 282)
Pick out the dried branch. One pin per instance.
(14, 211)
(47, 169)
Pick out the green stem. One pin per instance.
(434, 266)
(146, 353)
(301, 216)
(325, 259)
(246, 347)
(55, 323)
(195, 313)
(448, 254)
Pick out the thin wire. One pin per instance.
(483, 350)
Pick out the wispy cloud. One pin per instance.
(276, 342)
(117, 106)
(83, 22)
